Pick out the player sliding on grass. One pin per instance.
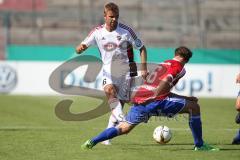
(154, 98)
(115, 39)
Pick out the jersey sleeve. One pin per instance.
(90, 39)
(135, 40)
(176, 72)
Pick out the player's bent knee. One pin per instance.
(195, 109)
(192, 108)
(109, 90)
(125, 131)
(125, 128)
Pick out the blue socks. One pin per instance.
(196, 127)
(108, 133)
(194, 123)
(238, 135)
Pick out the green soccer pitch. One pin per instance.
(30, 130)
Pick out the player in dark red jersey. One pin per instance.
(154, 98)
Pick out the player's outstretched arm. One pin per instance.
(143, 54)
(80, 48)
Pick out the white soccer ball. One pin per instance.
(162, 134)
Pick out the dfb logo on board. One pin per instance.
(8, 78)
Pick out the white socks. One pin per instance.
(117, 111)
(115, 117)
(112, 121)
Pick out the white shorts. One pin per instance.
(124, 84)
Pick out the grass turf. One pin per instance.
(29, 130)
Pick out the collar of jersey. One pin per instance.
(113, 30)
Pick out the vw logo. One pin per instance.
(8, 78)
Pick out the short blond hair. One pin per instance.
(111, 7)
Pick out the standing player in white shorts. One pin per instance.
(115, 39)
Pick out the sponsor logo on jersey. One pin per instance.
(110, 46)
(8, 78)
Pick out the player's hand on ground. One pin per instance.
(80, 48)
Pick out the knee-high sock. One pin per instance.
(108, 133)
(112, 122)
(117, 109)
(238, 135)
(195, 125)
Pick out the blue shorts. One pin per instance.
(169, 107)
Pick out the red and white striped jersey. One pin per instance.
(172, 70)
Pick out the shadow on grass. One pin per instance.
(173, 147)
(230, 149)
